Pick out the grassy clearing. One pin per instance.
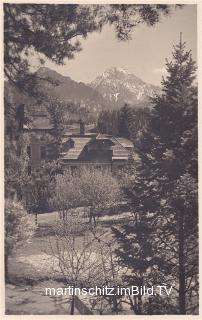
(26, 299)
(31, 266)
(32, 261)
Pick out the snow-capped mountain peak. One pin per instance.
(119, 86)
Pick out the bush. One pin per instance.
(19, 228)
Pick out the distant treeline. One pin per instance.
(128, 122)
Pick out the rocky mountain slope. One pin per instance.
(55, 85)
(112, 89)
(119, 87)
(67, 90)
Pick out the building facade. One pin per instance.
(101, 151)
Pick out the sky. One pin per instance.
(143, 56)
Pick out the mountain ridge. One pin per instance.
(110, 90)
(120, 86)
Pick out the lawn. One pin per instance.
(21, 299)
(32, 265)
(32, 261)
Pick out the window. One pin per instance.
(120, 168)
(29, 151)
(71, 143)
(43, 152)
(73, 169)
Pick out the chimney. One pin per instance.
(82, 128)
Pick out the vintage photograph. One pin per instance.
(101, 159)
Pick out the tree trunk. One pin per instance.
(6, 268)
(92, 216)
(182, 292)
(72, 303)
(115, 304)
(36, 219)
(139, 308)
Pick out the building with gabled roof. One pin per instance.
(78, 148)
(98, 150)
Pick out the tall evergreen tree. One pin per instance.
(135, 250)
(130, 122)
(174, 123)
(172, 170)
(125, 114)
(56, 110)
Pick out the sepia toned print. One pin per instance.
(101, 159)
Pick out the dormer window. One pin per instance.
(68, 144)
(71, 143)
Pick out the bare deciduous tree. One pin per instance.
(90, 188)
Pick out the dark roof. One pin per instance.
(119, 152)
(102, 136)
(79, 144)
(125, 142)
